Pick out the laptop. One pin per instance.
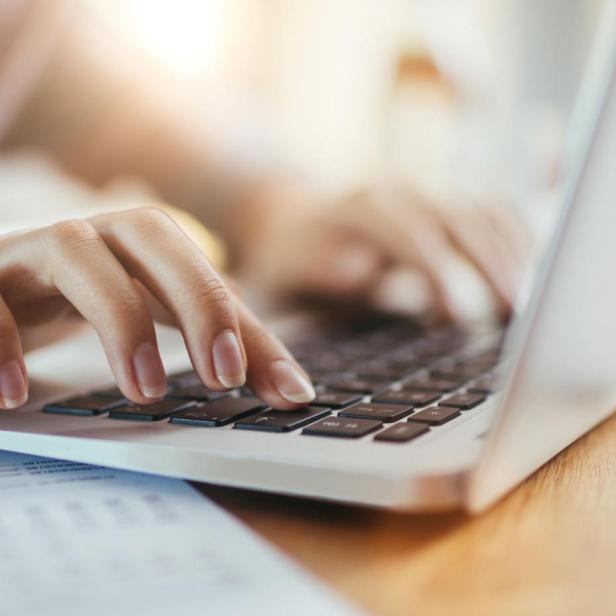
(406, 418)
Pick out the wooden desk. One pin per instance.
(549, 548)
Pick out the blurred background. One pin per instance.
(456, 97)
(443, 93)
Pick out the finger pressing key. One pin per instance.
(80, 266)
(154, 250)
(13, 380)
(273, 374)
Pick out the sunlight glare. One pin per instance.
(186, 35)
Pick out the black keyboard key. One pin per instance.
(342, 427)
(402, 432)
(200, 393)
(456, 374)
(335, 399)
(282, 421)
(357, 385)
(244, 392)
(184, 380)
(149, 412)
(476, 365)
(402, 368)
(218, 413)
(435, 415)
(318, 376)
(407, 396)
(464, 401)
(384, 412)
(84, 406)
(444, 385)
(113, 392)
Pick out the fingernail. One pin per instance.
(291, 383)
(13, 387)
(228, 362)
(149, 371)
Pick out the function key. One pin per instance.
(84, 406)
(282, 421)
(384, 412)
(464, 401)
(408, 396)
(149, 412)
(435, 415)
(218, 413)
(335, 399)
(402, 432)
(342, 427)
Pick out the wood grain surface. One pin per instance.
(548, 548)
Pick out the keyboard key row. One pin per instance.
(190, 403)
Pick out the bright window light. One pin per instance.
(186, 35)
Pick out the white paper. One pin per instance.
(85, 540)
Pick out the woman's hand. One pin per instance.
(392, 251)
(108, 270)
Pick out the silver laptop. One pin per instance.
(405, 419)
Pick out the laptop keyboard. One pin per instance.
(391, 384)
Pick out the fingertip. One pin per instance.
(149, 372)
(291, 382)
(284, 387)
(13, 385)
(228, 360)
(154, 393)
(232, 382)
(279, 403)
(10, 404)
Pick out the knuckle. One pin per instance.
(125, 311)
(150, 220)
(213, 293)
(72, 234)
(126, 308)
